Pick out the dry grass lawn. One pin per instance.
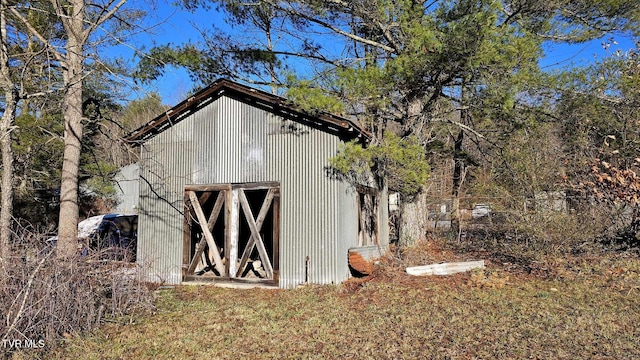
(579, 308)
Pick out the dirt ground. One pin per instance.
(500, 267)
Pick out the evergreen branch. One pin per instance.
(57, 54)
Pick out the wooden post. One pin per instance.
(186, 235)
(234, 231)
(276, 234)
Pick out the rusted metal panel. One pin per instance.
(232, 142)
(369, 253)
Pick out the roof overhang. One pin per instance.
(337, 125)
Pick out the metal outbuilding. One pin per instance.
(234, 187)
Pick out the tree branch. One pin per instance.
(328, 26)
(106, 15)
(58, 55)
(27, 290)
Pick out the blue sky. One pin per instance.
(583, 54)
(168, 24)
(174, 25)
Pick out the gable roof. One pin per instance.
(337, 125)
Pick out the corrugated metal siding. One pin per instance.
(240, 143)
(231, 138)
(312, 207)
(233, 142)
(254, 145)
(205, 125)
(127, 189)
(166, 166)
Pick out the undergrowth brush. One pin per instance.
(585, 306)
(45, 299)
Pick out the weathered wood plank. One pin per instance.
(445, 268)
(228, 222)
(361, 225)
(196, 256)
(376, 219)
(210, 187)
(205, 231)
(186, 233)
(225, 187)
(193, 261)
(264, 209)
(255, 186)
(217, 207)
(234, 232)
(204, 197)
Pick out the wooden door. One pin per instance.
(239, 243)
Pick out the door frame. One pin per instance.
(232, 203)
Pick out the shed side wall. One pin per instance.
(166, 165)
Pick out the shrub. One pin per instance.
(44, 299)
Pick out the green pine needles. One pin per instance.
(399, 163)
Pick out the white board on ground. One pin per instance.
(445, 268)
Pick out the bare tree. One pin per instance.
(79, 20)
(73, 20)
(6, 124)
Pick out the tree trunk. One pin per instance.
(458, 174)
(6, 210)
(459, 163)
(6, 125)
(68, 224)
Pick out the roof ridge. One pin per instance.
(279, 105)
